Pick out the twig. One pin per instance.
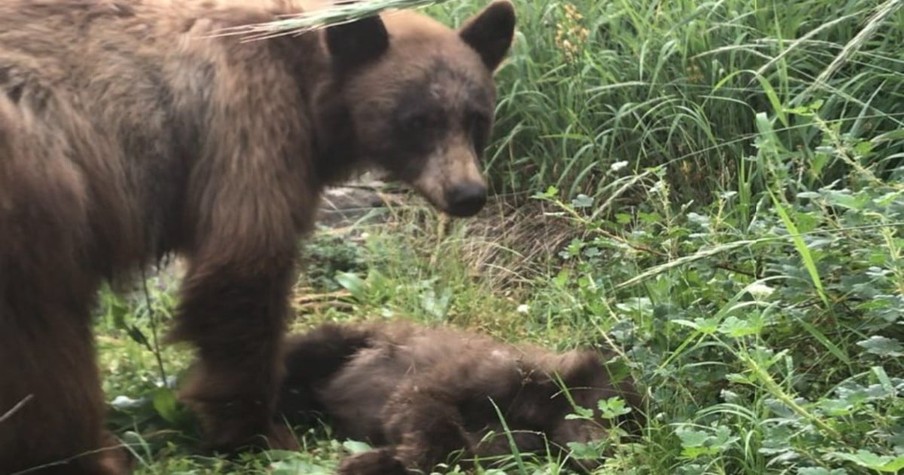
(312, 298)
(16, 408)
(152, 315)
(313, 302)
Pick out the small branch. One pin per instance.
(314, 302)
(155, 340)
(16, 408)
(322, 297)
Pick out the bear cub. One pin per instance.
(420, 394)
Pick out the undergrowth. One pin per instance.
(716, 188)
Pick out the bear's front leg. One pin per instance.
(234, 312)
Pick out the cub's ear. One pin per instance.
(355, 44)
(490, 32)
(580, 368)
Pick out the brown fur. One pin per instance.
(422, 393)
(128, 131)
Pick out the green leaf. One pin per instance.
(809, 262)
(582, 201)
(739, 378)
(297, 467)
(867, 459)
(692, 438)
(836, 407)
(356, 447)
(821, 471)
(863, 147)
(352, 282)
(437, 306)
(166, 405)
(580, 413)
(737, 328)
(806, 256)
(613, 407)
(882, 346)
(723, 437)
(845, 199)
(583, 451)
(561, 279)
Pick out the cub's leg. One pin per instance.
(311, 359)
(423, 427)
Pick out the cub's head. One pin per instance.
(420, 97)
(587, 380)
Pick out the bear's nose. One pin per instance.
(466, 199)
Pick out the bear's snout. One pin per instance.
(466, 199)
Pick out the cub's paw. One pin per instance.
(276, 437)
(374, 462)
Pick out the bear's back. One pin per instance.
(128, 55)
(140, 91)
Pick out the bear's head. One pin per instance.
(420, 98)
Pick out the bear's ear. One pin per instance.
(490, 32)
(355, 44)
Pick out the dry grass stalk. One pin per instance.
(318, 16)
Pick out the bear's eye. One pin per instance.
(418, 122)
(477, 124)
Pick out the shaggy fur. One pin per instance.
(423, 393)
(130, 130)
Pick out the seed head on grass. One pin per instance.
(571, 34)
(315, 17)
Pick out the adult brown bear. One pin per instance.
(421, 393)
(129, 129)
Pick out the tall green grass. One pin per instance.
(679, 83)
(758, 246)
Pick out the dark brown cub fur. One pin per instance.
(421, 393)
(129, 129)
